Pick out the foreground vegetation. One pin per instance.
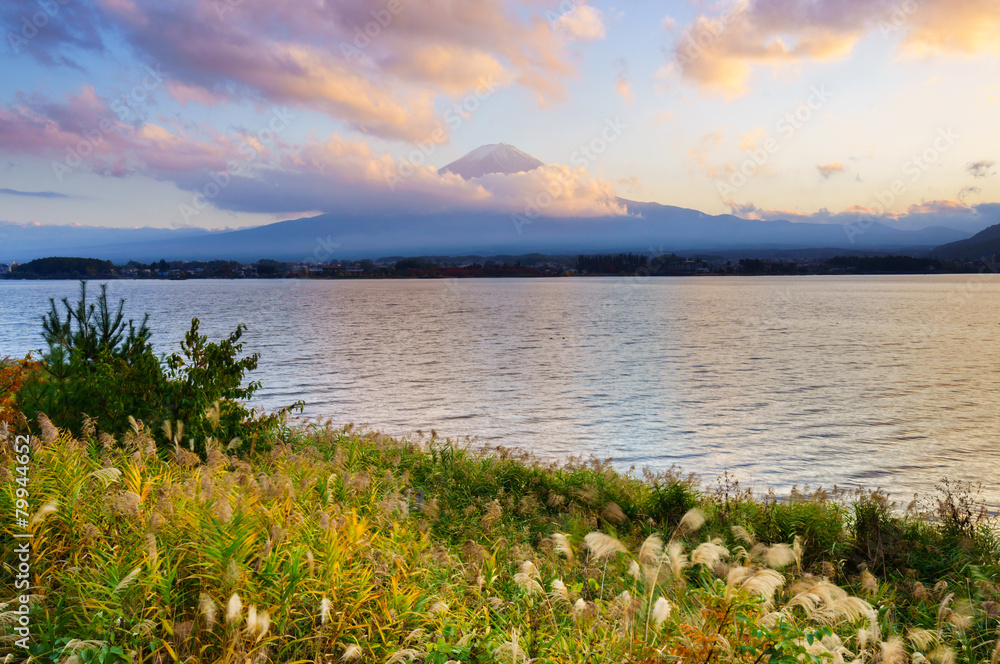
(168, 538)
(340, 544)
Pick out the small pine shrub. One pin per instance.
(99, 370)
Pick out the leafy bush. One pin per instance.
(97, 366)
(204, 392)
(99, 371)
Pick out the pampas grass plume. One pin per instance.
(563, 546)
(692, 520)
(603, 546)
(207, 609)
(661, 611)
(651, 550)
(234, 610)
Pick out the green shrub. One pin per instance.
(99, 370)
(96, 366)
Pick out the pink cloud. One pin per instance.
(719, 51)
(377, 65)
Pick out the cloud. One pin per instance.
(34, 194)
(943, 212)
(750, 138)
(953, 26)
(379, 66)
(697, 156)
(828, 170)
(349, 175)
(623, 86)
(581, 23)
(260, 172)
(68, 28)
(968, 192)
(81, 129)
(981, 169)
(719, 52)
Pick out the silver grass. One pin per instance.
(49, 432)
(678, 561)
(602, 546)
(559, 592)
(48, 508)
(234, 609)
(127, 581)
(406, 654)
(563, 546)
(763, 582)
(351, 653)
(922, 638)
(709, 554)
(778, 556)
(207, 609)
(661, 611)
(651, 550)
(692, 520)
(108, 476)
(892, 651)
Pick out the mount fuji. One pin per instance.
(493, 158)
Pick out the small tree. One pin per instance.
(205, 391)
(96, 365)
(99, 366)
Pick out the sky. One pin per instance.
(234, 113)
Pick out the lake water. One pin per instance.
(878, 381)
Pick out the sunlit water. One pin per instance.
(880, 381)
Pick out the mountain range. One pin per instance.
(648, 227)
(984, 244)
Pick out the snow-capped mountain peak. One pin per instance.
(492, 158)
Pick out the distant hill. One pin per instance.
(985, 243)
(63, 268)
(648, 228)
(23, 242)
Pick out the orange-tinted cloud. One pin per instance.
(720, 51)
(377, 65)
(581, 23)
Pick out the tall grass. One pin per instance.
(346, 545)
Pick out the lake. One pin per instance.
(880, 381)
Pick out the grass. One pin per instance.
(347, 545)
